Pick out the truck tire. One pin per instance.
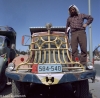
(81, 89)
(19, 89)
(3, 79)
(3, 82)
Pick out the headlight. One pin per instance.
(90, 65)
(11, 66)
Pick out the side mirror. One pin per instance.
(22, 40)
(26, 40)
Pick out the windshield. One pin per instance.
(1, 41)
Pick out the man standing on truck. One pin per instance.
(78, 35)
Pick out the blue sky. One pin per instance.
(22, 14)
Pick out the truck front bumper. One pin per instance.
(50, 78)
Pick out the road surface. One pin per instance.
(95, 87)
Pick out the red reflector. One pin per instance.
(22, 59)
(35, 68)
(76, 59)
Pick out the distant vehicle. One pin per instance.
(48, 63)
(94, 53)
(7, 38)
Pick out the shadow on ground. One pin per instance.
(41, 91)
(6, 91)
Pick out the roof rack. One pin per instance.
(43, 29)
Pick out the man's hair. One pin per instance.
(72, 7)
(77, 10)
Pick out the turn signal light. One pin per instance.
(35, 68)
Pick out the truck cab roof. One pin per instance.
(43, 29)
(8, 32)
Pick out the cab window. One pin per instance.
(6, 43)
(1, 41)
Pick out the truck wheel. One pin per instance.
(81, 89)
(3, 83)
(20, 89)
(3, 80)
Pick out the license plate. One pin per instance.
(46, 68)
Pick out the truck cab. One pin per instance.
(7, 38)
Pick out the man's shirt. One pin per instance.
(76, 22)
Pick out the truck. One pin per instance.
(48, 63)
(7, 38)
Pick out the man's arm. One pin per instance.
(89, 19)
(67, 28)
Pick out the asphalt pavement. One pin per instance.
(95, 87)
(97, 67)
